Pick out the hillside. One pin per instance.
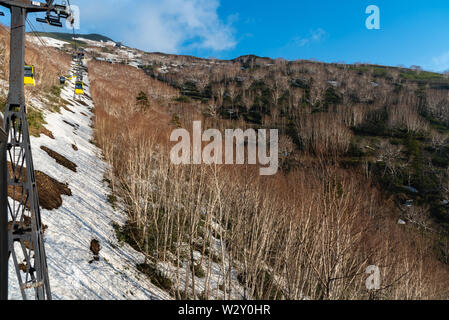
(83, 215)
(363, 178)
(385, 127)
(391, 119)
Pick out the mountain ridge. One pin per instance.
(65, 36)
(242, 58)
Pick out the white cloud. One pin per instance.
(168, 26)
(314, 36)
(441, 63)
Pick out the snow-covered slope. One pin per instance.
(47, 41)
(84, 216)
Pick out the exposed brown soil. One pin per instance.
(74, 125)
(65, 102)
(67, 108)
(48, 133)
(60, 159)
(23, 267)
(82, 113)
(26, 224)
(37, 132)
(95, 247)
(49, 190)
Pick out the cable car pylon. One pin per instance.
(24, 227)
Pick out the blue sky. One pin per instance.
(412, 32)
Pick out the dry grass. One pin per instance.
(323, 133)
(309, 233)
(49, 65)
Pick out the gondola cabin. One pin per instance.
(79, 88)
(29, 76)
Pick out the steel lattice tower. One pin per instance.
(24, 227)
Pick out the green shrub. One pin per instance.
(125, 234)
(440, 161)
(183, 99)
(56, 90)
(35, 121)
(176, 120)
(3, 103)
(155, 276)
(142, 101)
(112, 199)
(331, 97)
(198, 270)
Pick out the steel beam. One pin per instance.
(25, 234)
(4, 252)
(21, 232)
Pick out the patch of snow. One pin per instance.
(84, 216)
(409, 203)
(95, 43)
(214, 280)
(411, 189)
(47, 41)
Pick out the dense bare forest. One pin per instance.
(361, 147)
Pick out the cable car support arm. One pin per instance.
(24, 229)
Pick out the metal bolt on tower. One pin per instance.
(23, 224)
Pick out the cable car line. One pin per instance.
(23, 227)
(36, 34)
(29, 77)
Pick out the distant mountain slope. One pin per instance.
(68, 36)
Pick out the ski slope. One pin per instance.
(84, 216)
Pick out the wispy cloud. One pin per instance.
(168, 26)
(313, 37)
(441, 63)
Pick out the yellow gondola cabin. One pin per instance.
(29, 76)
(79, 88)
